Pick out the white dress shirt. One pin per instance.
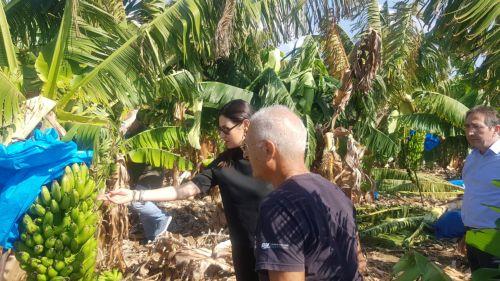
(478, 172)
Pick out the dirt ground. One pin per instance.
(193, 249)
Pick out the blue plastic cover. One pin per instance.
(24, 168)
(431, 141)
(457, 183)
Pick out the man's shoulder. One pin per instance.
(304, 189)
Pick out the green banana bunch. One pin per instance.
(110, 275)
(58, 233)
(415, 150)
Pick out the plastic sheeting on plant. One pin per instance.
(26, 166)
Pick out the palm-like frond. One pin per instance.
(302, 58)
(34, 23)
(86, 136)
(470, 30)
(401, 48)
(143, 11)
(393, 226)
(96, 120)
(217, 94)
(157, 157)
(433, 66)
(393, 180)
(116, 8)
(179, 86)
(463, 16)
(429, 189)
(288, 18)
(441, 195)
(156, 147)
(269, 90)
(170, 138)
(368, 17)
(386, 213)
(385, 173)
(114, 77)
(7, 51)
(443, 106)
(376, 141)
(427, 122)
(374, 16)
(9, 101)
(60, 48)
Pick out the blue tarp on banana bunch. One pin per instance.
(24, 168)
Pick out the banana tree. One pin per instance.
(96, 66)
(302, 83)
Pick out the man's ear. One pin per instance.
(497, 130)
(246, 124)
(269, 149)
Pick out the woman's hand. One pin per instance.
(119, 196)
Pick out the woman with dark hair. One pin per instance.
(241, 194)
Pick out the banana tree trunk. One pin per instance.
(115, 225)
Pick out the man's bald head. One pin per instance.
(279, 125)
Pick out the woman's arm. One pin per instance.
(169, 193)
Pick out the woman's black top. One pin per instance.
(241, 194)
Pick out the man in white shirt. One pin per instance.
(482, 166)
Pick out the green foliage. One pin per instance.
(393, 225)
(376, 140)
(157, 147)
(110, 275)
(217, 94)
(393, 181)
(414, 149)
(486, 240)
(375, 216)
(396, 225)
(414, 266)
(486, 274)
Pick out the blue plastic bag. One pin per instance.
(24, 168)
(431, 141)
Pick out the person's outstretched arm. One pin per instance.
(169, 193)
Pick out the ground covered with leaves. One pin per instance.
(197, 249)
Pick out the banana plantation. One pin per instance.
(382, 88)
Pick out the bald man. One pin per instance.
(306, 228)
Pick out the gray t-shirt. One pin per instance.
(307, 224)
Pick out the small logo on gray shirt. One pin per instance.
(265, 246)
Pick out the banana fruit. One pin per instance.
(58, 233)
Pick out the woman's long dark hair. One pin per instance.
(236, 111)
